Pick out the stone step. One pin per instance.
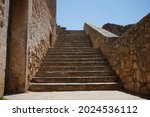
(73, 36)
(73, 56)
(73, 41)
(79, 39)
(70, 46)
(75, 32)
(73, 53)
(74, 68)
(74, 50)
(70, 50)
(75, 59)
(45, 87)
(93, 79)
(75, 63)
(74, 73)
(72, 60)
(73, 44)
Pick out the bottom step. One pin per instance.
(45, 87)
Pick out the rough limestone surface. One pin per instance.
(42, 33)
(129, 55)
(4, 7)
(117, 29)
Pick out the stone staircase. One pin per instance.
(74, 65)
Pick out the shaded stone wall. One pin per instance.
(4, 7)
(17, 47)
(42, 33)
(129, 55)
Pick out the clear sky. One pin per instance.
(73, 13)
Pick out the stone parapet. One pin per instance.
(129, 55)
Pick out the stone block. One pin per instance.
(145, 90)
(147, 35)
(137, 87)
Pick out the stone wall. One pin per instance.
(31, 33)
(117, 29)
(4, 7)
(52, 9)
(129, 55)
(61, 30)
(42, 33)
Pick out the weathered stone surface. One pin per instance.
(42, 33)
(4, 7)
(33, 31)
(17, 47)
(129, 55)
(117, 29)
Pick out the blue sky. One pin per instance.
(73, 13)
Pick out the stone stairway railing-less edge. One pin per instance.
(129, 55)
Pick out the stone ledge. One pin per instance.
(102, 31)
